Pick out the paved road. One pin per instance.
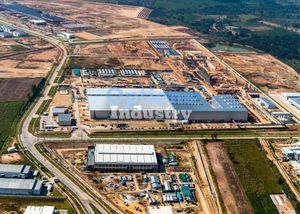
(158, 139)
(29, 141)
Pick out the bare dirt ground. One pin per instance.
(265, 71)
(31, 65)
(10, 158)
(234, 198)
(15, 89)
(87, 36)
(118, 49)
(107, 21)
(61, 100)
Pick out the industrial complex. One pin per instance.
(132, 116)
(136, 103)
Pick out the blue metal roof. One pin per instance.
(103, 99)
(227, 103)
(64, 117)
(188, 101)
(267, 102)
(295, 101)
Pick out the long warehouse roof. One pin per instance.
(20, 184)
(104, 99)
(40, 210)
(19, 8)
(125, 154)
(127, 99)
(12, 168)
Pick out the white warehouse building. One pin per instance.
(121, 157)
(148, 103)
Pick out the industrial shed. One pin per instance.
(121, 157)
(112, 103)
(10, 186)
(121, 103)
(14, 171)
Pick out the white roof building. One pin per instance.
(156, 104)
(125, 154)
(122, 157)
(40, 210)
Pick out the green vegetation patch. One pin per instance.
(18, 48)
(10, 112)
(15, 203)
(258, 175)
(52, 91)
(45, 104)
(34, 125)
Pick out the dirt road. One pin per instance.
(233, 196)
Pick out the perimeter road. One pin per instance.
(29, 141)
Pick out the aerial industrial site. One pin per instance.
(125, 115)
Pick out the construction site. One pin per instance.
(98, 21)
(174, 66)
(117, 73)
(176, 186)
(286, 154)
(24, 61)
(144, 57)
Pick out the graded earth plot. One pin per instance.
(265, 71)
(129, 49)
(27, 57)
(173, 183)
(25, 62)
(91, 21)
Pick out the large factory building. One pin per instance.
(14, 171)
(124, 158)
(11, 186)
(147, 103)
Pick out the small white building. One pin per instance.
(8, 29)
(40, 210)
(19, 33)
(38, 22)
(292, 153)
(66, 35)
(12, 149)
